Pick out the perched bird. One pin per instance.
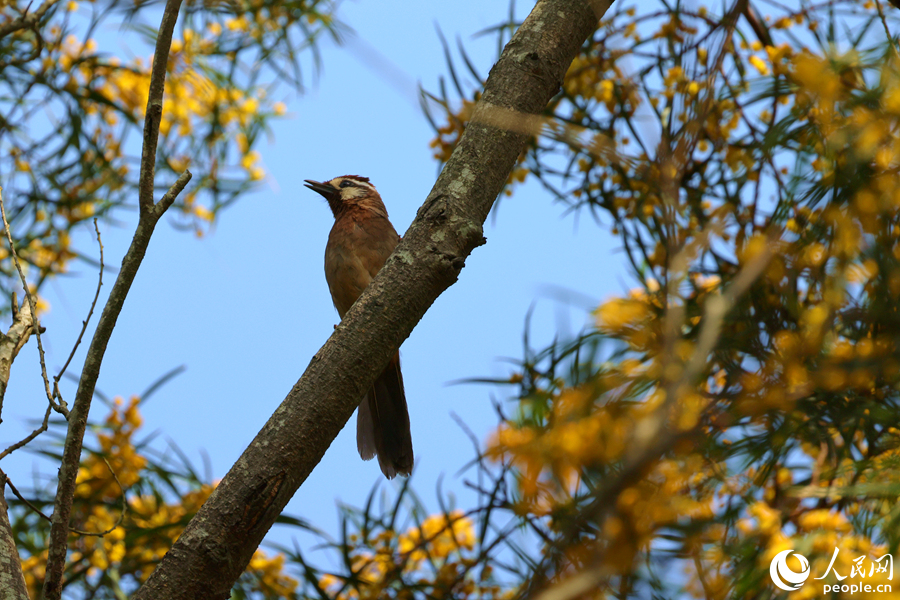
(361, 239)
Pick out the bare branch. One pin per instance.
(169, 197)
(72, 529)
(10, 344)
(36, 49)
(29, 298)
(84, 323)
(19, 495)
(23, 442)
(883, 19)
(154, 106)
(149, 217)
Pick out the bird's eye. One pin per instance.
(346, 183)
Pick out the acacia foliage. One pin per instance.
(742, 399)
(74, 88)
(139, 496)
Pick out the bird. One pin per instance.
(361, 240)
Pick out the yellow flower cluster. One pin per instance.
(632, 319)
(598, 77)
(764, 150)
(826, 539)
(448, 135)
(49, 255)
(435, 556)
(95, 478)
(550, 459)
(269, 572)
(438, 537)
(149, 512)
(34, 569)
(191, 96)
(202, 113)
(133, 546)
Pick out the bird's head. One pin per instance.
(348, 191)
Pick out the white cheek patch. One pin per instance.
(353, 192)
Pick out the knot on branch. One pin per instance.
(470, 235)
(450, 263)
(434, 209)
(452, 254)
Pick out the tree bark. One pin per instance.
(218, 543)
(12, 580)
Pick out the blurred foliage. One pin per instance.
(141, 499)
(397, 550)
(742, 400)
(74, 89)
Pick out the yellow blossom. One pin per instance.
(759, 65)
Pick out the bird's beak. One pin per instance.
(321, 188)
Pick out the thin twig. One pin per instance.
(887, 30)
(718, 306)
(60, 408)
(121, 515)
(84, 323)
(72, 529)
(30, 436)
(169, 197)
(37, 48)
(23, 499)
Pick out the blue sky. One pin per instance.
(245, 307)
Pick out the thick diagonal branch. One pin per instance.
(217, 544)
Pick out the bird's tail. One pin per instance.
(382, 425)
